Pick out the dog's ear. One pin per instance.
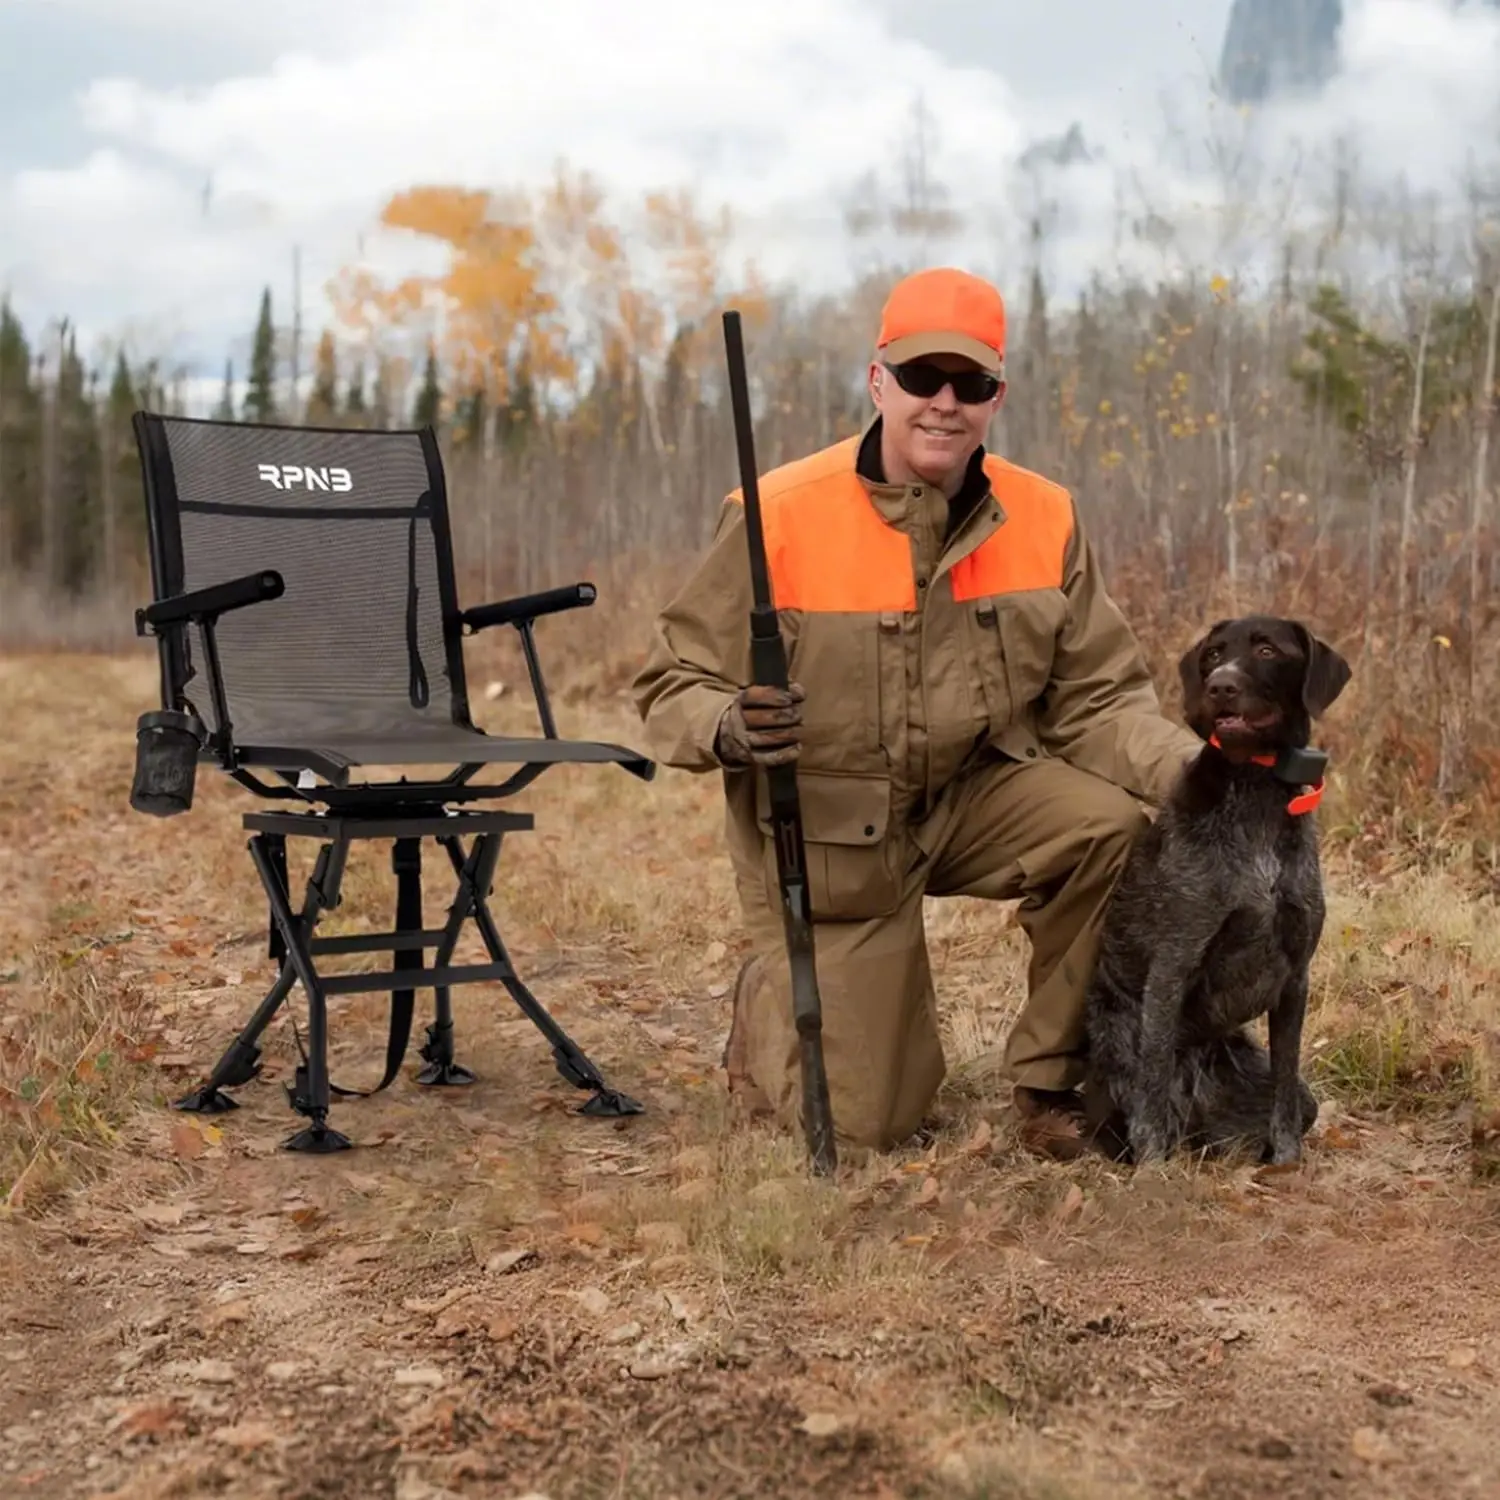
(1191, 675)
(1325, 674)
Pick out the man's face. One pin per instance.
(933, 435)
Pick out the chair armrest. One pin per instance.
(208, 604)
(528, 607)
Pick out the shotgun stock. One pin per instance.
(769, 667)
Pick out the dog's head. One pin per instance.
(1258, 682)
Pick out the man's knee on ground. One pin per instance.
(883, 1063)
(1111, 825)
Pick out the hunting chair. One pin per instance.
(305, 577)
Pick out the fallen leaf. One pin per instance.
(980, 1142)
(246, 1435)
(593, 1300)
(441, 1303)
(626, 1333)
(655, 1369)
(187, 1141)
(1372, 1446)
(585, 1233)
(418, 1375)
(822, 1424)
(663, 1235)
(151, 1419)
(160, 1215)
(458, 1319)
(928, 1192)
(237, 1311)
(505, 1261)
(1464, 1357)
(1338, 1139)
(1071, 1204)
(680, 1308)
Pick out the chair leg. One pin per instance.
(571, 1061)
(241, 1060)
(442, 1070)
(314, 1103)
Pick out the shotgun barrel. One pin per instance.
(768, 662)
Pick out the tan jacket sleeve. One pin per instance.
(1101, 711)
(699, 653)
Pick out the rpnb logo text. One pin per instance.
(291, 476)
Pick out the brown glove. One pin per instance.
(762, 726)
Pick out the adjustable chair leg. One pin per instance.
(571, 1061)
(317, 1137)
(441, 1070)
(241, 1060)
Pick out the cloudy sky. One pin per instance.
(160, 158)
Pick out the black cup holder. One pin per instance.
(167, 745)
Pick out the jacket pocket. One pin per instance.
(1016, 640)
(852, 873)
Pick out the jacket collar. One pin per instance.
(892, 500)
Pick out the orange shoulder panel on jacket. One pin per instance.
(828, 549)
(1028, 550)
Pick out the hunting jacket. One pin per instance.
(926, 637)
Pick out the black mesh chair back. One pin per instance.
(364, 642)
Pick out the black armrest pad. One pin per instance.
(215, 600)
(529, 606)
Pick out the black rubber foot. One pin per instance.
(206, 1101)
(318, 1140)
(611, 1103)
(445, 1075)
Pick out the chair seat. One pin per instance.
(447, 746)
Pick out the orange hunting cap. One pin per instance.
(944, 311)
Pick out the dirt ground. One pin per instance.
(493, 1296)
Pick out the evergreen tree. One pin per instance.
(20, 448)
(354, 401)
(428, 410)
(77, 492)
(122, 476)
(224, 411)
(380, 398)
(323, 404)
(260, 397)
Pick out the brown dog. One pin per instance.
(1218, 912)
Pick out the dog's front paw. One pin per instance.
(1284, 1149)
(1149, 1140)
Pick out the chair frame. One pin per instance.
(404, 812)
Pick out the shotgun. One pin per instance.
(768, 665)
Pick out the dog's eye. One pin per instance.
(1266, 650)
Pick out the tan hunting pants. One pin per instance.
(1042, 832)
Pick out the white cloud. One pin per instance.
(776, 108)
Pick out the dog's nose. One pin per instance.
(1222, 687)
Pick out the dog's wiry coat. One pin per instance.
(1216, 916)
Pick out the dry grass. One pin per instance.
(966, 1320)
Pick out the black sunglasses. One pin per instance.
(918, 378)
